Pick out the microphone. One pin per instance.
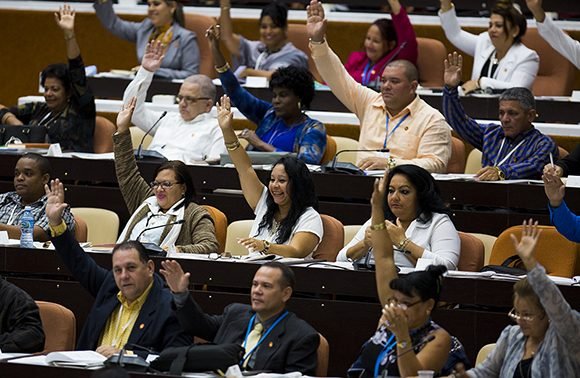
(130, 362)
(152, 248)
(347, 168)
(139, 149)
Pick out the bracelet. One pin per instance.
(223, 68)
(266, 247)
(69, 38)
(233, 146)
(313, 42)
(378, 226)
(225, 8)
(403, 244)
(403, 344)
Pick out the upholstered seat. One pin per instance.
(59, 324)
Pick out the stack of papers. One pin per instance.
(82, 358)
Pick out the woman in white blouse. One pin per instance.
(500, 59)
(417, 222)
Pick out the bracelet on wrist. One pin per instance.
(378, 226)
(233, 146)
(266, 248)
(313, 42)
(223, 68)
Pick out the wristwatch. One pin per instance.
(391, 163)
(500, 173)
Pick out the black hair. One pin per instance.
(387, 29)
(58, 71)
(512, 16)
(302, 195)
(298, 80)
(41, 162)
(277, 12)
(426, 284)
(287, 279)
(428, 195)
(133, 244)
(178, 15)
(182, 176)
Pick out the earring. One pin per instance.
(299, 105)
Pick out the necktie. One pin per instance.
(252, 340)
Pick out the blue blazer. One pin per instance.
(156, 326)
(181, 57)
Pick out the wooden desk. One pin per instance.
(552, 111)
(341, 305)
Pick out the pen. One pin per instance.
(551, 160)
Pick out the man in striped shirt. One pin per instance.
(513, 150)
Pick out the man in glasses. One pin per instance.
(191, 135)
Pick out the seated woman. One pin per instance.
(282, 125)
(406, 340)
(165, 23)
(501, 60)
(286, 223)
(385, 41)
(272, 51)
(166, 200)
(544, 343)
(417, 222)
(566, 222)
(68, 113)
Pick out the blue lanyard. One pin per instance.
(386, 349)
(264, 335)
(366, 75)
(392, 131)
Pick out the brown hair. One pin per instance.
(511, 15)
(523, 289)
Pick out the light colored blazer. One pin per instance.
(517, 69)
(181, 56)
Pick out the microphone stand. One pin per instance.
(150, 153)
(346, 168)
(152, 248)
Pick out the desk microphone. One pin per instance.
(347, 168)
(139, 152)
(152, 248)
(131, 362)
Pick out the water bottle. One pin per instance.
(26, 228)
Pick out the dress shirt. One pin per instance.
(559, 40)
(176, 139)
(527, 161)
(423, 139)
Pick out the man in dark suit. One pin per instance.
(132, 306)
(274, 338)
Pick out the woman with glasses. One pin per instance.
(417, 222)
(163, 212)
(286, 222)
(544, 343)
(282, 124)
(164, 24)
(407, 340)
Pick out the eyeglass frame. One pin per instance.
(403, 306)
(189, 100)
(526, 318)
(163, 185)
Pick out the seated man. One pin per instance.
(512, 150)
(132, 306)
(396, 118)
(274, 338)
(190, 135)
(20, 325)
(31, 173)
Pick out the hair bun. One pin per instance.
(506, 4)
(437, 270)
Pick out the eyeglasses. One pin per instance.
(515, 316)
(163, 185)
(189, 100)
(394, 302)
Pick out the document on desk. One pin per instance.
(78, 358)
(89, 156)
(453, 176)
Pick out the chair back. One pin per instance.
(298, 35)
(473, 164)
(332, 240)
(238, 229)
(562, 152)
(59, 324)
(322, 355)
(483, 353)
(556, 74)
(456, 162)
(330, 150)
(199, 23)
(103, 136)
(136, 136)
(81, 230)
(472, 253)
(556, 253)
(344, 143)
(102, 224)
(432, 53)
(350, 231)
(221, 225)
(488, 242)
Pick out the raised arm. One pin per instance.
(121, 28)
(231, 40)
(65, 19)
(252, 187)
(461, 39)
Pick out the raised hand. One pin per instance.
(213, 34)
(525, 248)
(535, 6)
(453, 66)
(154, 54)
(224, 113)
(395, 6)
(55, 204)
(315, 22)
(446, 5)
(379, 193)
(65, 18)
(554, 187)
(176, 279)
(124, 116)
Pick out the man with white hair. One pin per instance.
(192, 134)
